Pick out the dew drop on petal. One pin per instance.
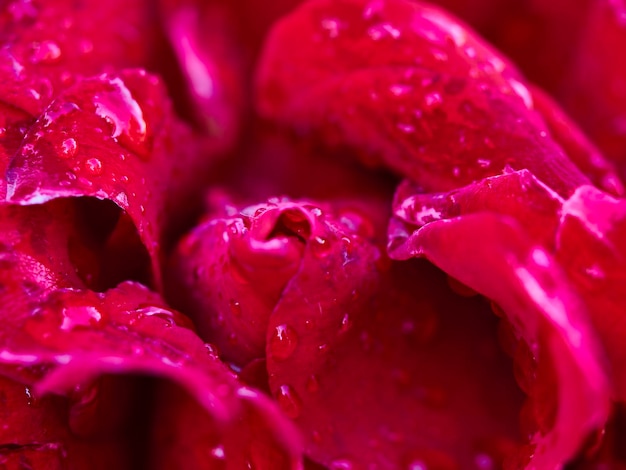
(46, 52)
(341, 464)
(75, 316)
(289, 401)
(235, 308)
(432, 99)
(218, 452)
(122, 112)
(68, 148)
(283, 342)
(93, 166)
(312, 384)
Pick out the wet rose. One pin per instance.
(339, 234)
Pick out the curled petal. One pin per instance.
(579, 149)
(48, 46)
(584, 233)
(492, 255)
(114, 137)
(354, 332)
(409, 87)
(230, 272)
(203, 37)
(66, 342)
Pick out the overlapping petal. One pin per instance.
(229, 273)
(115, 137)
(46, 47)
(409, 87)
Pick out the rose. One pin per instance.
(69, 324)
(389, 79)
(342, 335)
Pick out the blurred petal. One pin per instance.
(490, 254)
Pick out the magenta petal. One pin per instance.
(229, 273)
(35, 434)
(115, 137)
(579, 149)
(34, 245)
(74, 337)
(408, 87)
(255, 252)
(203, 37)
(369, 359)
(592, 250)
(48, 46)
(593, 91)
(517, 194)
(186, 437)
(490, 254)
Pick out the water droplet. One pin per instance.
(521, 91)
(218, 452)
(345, 323)
(29, 396)
(57, 112)
(331, 26)
(283, 342)
(400, 89)
(313, 384)
(211, 350)
(320, 247)
(432, 99)
(158, 312)
(341, 464)
(372, 9)
(122, 112)
(76, 316)
(85, 46)
(68, 148)
(595, 272)
(93, 166)
(45, 52)
(289, 401)
(406, 128)
(383, 30)
(235, 308)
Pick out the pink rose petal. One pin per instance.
(409, 87)
(115, 137)
(73, 337)
(490, 254)
(594, 91)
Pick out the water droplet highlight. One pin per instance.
(283, 342)
(289, 401)
(93, 166)
(68, 148)
(45, 52)
(79, 316)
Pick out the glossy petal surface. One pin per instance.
(410, 88)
